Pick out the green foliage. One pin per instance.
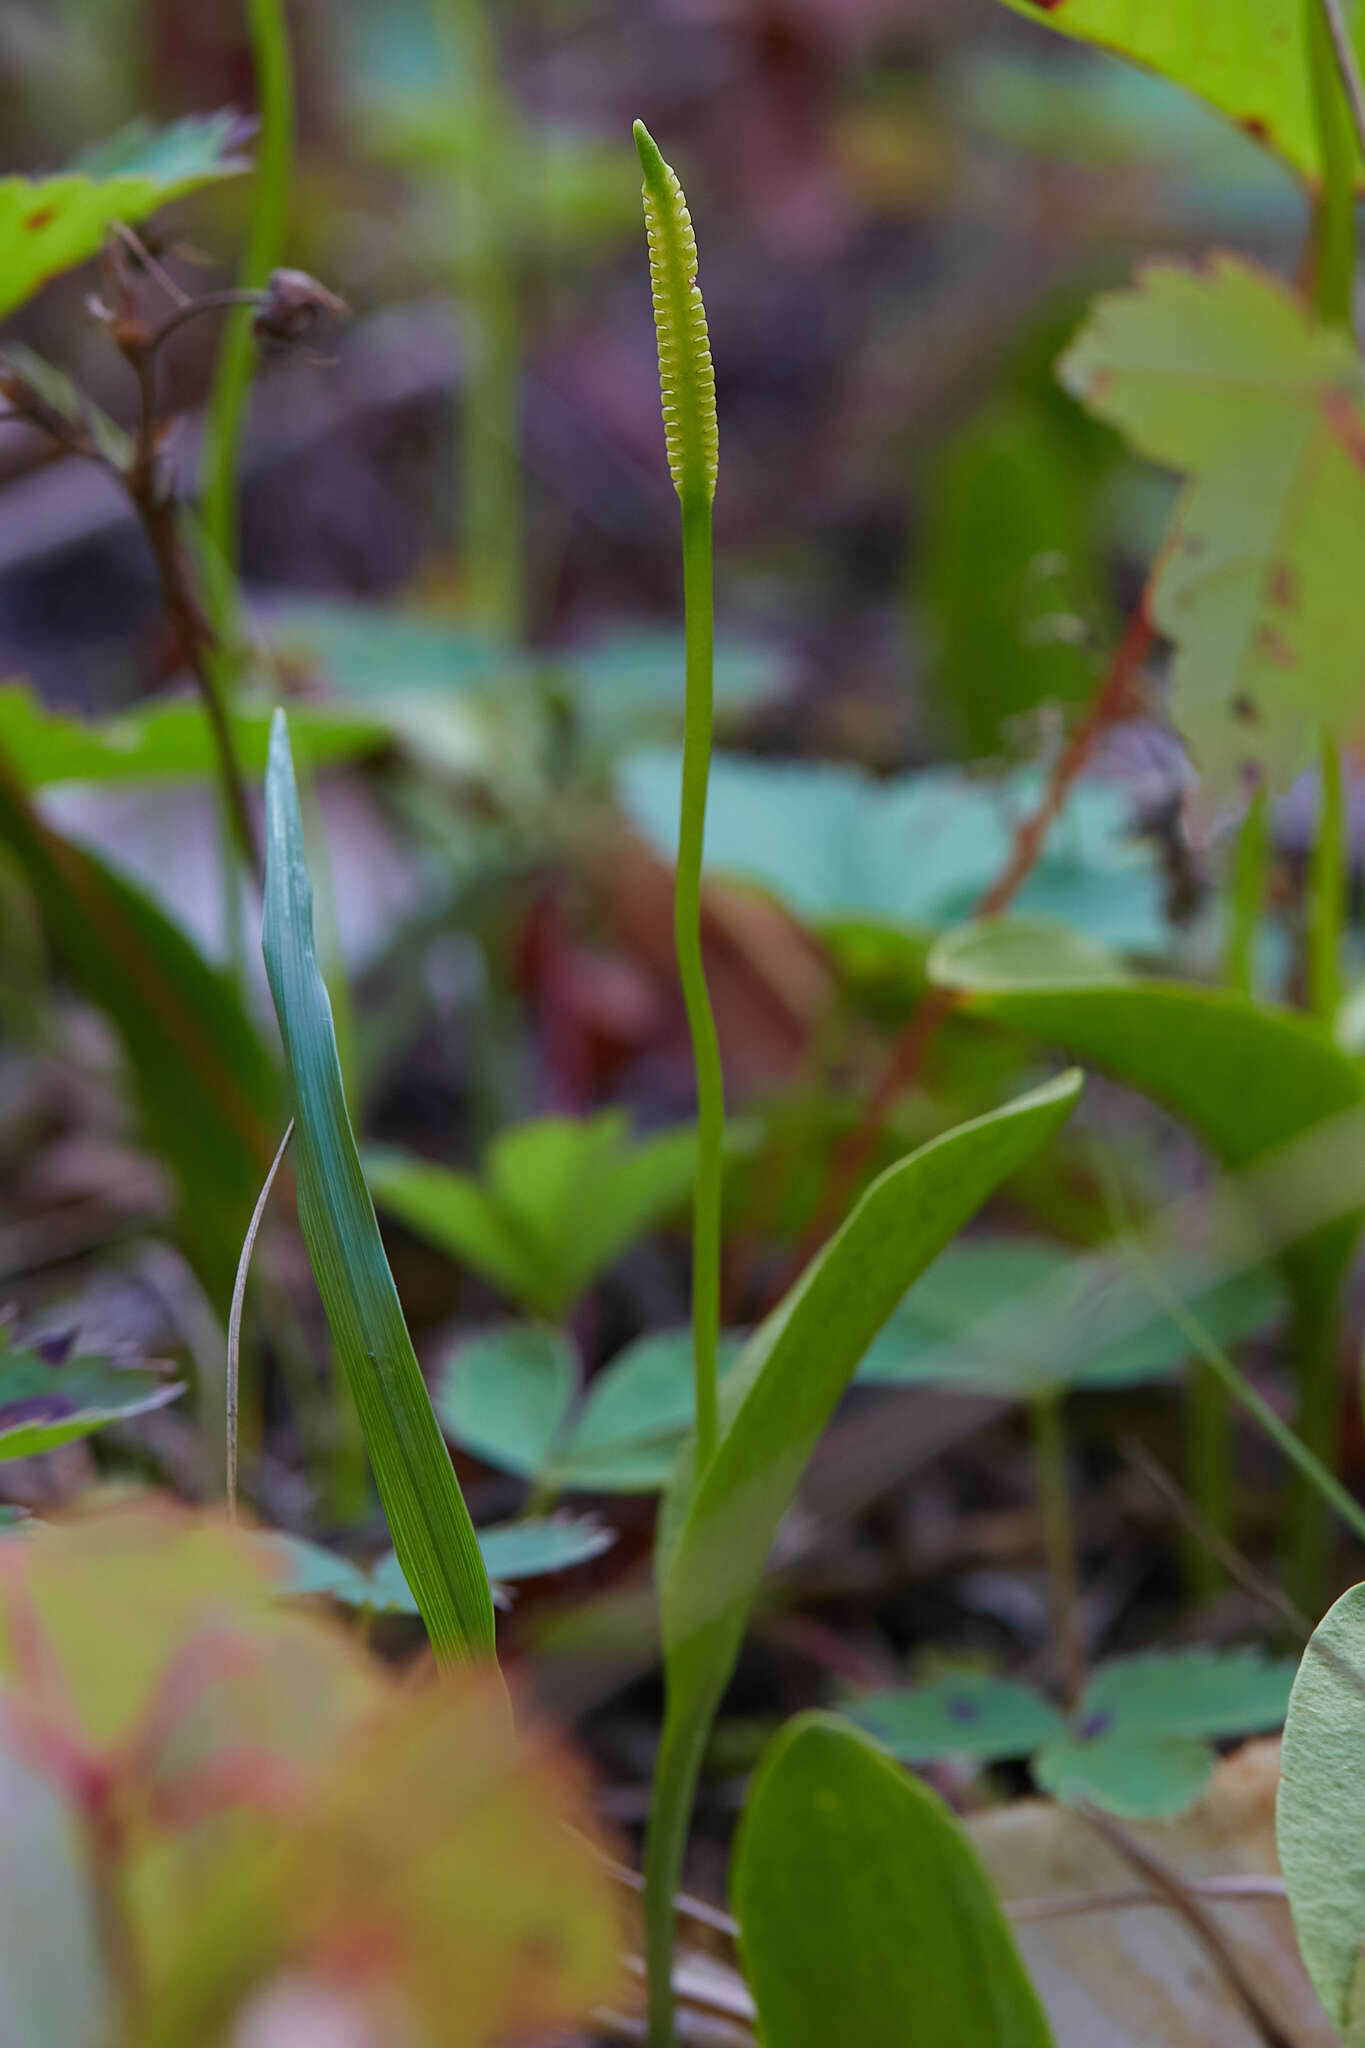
(1221, 374)
(529, 1549)
(52, 1393)
(560, 1199)
(1320, 1818)
(864, 1913)
(1137, 1744)
(1020, 1317)
(205, 1086)
(833, 843)
(430, 1524)
(716, 1530)
(164, 740)
(510, 1397)
(48, 225)
(1246, 57)
(1011, 490)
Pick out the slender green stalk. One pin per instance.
(236, 358)
(1247, 895)
(490, 425)
(687, 385)
(688, 391)
(1059, 1542)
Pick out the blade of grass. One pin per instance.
(428, 1519)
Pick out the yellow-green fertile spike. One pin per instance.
(687, 380)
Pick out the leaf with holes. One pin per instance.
(51, 1393)
(48, 225)
(1222, 374)
(1245, 57)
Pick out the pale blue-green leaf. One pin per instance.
(1135, 1776)
(969, 1714)
(505, 1395)
(1194, 1691)
(637, 1411)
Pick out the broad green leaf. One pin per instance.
(715, 1535)
(1222, 374)
(969, 1714)
(1133, 1775)
(834, 843)
(1019, 952)
(505, 1395)
(167, 739)
(1251, 1078)
(560, 1199)
(48, 225)
(1320, 1816)
(432, 1533)
(1245, 57)
(50, 1396)
(1189, 1692)
(1016, 1316)
(637, 1411)
(626, 687)
(865, 1915)
(206, 1088)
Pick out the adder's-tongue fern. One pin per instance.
(687, 380)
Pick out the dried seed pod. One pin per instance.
(687, 380)
(295, 307)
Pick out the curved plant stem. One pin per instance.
(1059, 1543)
(234, 1330)
(227, 401)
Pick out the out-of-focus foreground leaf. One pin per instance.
(48, 225)
(51, 1394)
(865, 1914)
(205, 1085)
(432, 1533)
(1246, 57)
(1320, 1818)
(1221, 373)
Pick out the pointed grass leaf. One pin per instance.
(1135, 1776)
(1222, 374)
(48, 225)
(1245, 57)
(716, 1531)
(206, 1089)
(432, 1533)
(46, 1402)
(969, 1714)
(505, 1395)
(865, 1915)
(1320, 1814)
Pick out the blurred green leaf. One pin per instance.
(1245, 57)
(834, 843)
(970, 1714)
(1222, 374)
(1019, 952)
(505, 1395)
(559, 1202)
(864, 1913)
(53, 1989)
(539, 1545)
(48, 225)
(1009, 489)
(1195, 1691)
(637, 1411)
(528, 1549)
(1016, 1316)
(1128, 1773)
(1320, 1817)
(50, 1395)
(167, 739)
(206, 1088)
(432, 1533)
